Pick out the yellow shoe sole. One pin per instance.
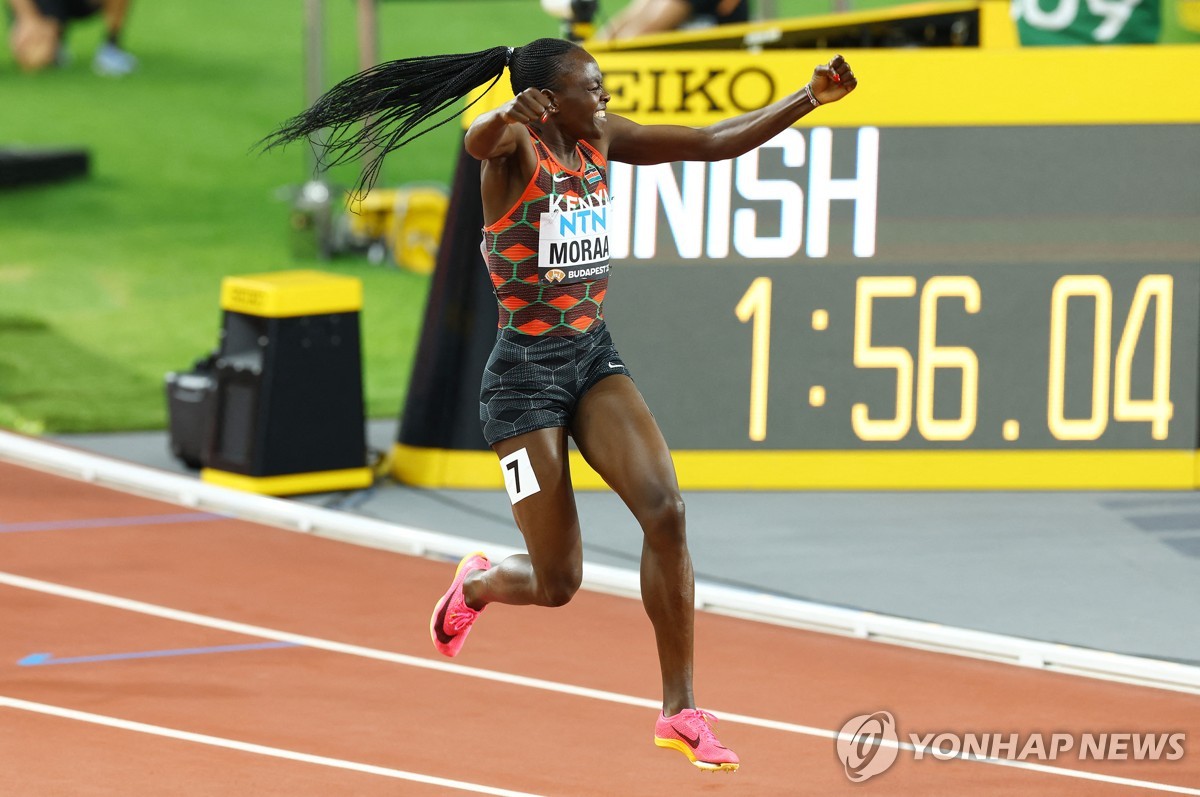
(675, 744)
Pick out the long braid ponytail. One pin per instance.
(393, 100)
(539, 64)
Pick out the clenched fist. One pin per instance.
(830, 82)
(531, 105)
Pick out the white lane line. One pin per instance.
(257, 749)
(22, 582)
(305, 519)
(100, 598)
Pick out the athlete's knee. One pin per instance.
(663, 521)
(556, 587)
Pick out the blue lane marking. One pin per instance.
(105, 522)
(39, 659)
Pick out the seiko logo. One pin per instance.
(712, 90)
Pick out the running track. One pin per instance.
(348, 697)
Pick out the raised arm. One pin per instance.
(496, 134)
(630, 142)
(499, 139)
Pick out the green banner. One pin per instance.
(1074, 22)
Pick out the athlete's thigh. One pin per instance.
(619, 438)
(537, 475)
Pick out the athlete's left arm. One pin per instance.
(630, 142)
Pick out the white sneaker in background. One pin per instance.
(112, 61)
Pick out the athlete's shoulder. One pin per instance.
(594, 151)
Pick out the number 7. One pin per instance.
(514, 466)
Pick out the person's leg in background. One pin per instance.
(34, 36)
(643, 17)
(39, 31)
(112, 58)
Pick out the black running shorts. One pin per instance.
(65, 10)
(535, 382)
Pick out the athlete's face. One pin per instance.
(581, 98)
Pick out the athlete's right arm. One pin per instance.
(495, 134)
(500, 139)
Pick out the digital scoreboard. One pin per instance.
(918, 288)
(957, 277)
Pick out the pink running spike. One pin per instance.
(691, 733)
(452, 617)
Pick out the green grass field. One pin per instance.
(109, 282)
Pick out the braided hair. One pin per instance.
(393, 99)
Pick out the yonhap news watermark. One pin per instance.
(869, 745)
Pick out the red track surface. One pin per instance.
(448, 724)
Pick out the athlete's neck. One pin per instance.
(564, 150)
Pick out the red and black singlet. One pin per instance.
(560, 221)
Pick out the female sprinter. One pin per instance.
(554, 370)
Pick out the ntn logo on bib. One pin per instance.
(573, 239)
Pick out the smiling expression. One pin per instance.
(581, 98)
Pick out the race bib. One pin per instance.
(573, 239)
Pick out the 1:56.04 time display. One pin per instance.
(1078, 322)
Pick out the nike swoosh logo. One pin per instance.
(692, 743)
(615, 365)
(558, 179)
(439, 627)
